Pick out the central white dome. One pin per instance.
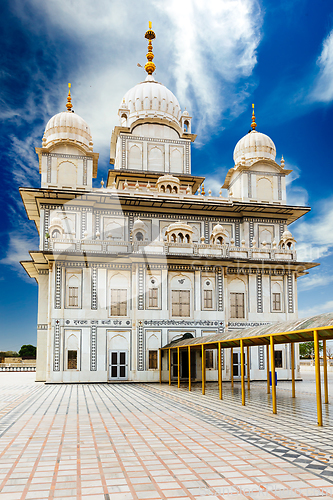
(151, 99)
(254, 145)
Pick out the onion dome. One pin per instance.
(254, 145)
(151, 99)
(69, 126)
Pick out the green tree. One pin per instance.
(28, 351)
(306, 349)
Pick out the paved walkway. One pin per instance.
(126, 441)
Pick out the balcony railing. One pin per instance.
(110, 246)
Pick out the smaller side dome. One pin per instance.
(254, 145)
(68, 126)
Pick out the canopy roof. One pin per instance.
(300, 330)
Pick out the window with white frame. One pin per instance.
(118, 302)
(73, 289)
(237, 301)
(181, 302)
(152, 360)
(73, 296)
(277, 297)
(153, 297)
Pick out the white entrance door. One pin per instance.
(236, 364)
(118, 365)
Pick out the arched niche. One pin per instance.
(156, 159)
(67, 174)
(134, 160)
(176, 160)
(264, 189)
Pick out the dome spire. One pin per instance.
(150, 35)
(253, 124)
(69, 104)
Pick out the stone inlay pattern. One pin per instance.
(124, 441)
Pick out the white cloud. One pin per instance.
(201, 52)
(318, 309)
(313, 281)
(18, 250)
(323, 89)
(315, 238)
(296, 195)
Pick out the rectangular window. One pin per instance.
(278, 359)
(153, 297)
(237, 305)
(208, 299)
(152, 364)
(73, 296)
(72, 360)
(118, 302)
(180, 302)
(276, 301)
(209, 358)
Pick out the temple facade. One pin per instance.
(148, 257)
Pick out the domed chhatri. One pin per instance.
(69, 126)
(254, 145)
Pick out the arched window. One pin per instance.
(180, 238)
(139, 236)
(168, 189)
(56, 233)
(175, 190)
(187, 237)
(173, 238)
(186, 126)
(219, 240)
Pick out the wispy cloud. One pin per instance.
(318, 309)
(314, 281)
(323, 88)
(201, 52)
(315, 238)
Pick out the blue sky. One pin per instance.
(217, 57)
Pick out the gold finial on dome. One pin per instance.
(150, 35)
(253, 124)
(69, 104)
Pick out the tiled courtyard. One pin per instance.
(151, 441)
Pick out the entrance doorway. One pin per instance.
(118, 365)
(236, 364)
(183, 357)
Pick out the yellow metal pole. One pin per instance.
(242, 371)
(232, 367)
(325, 372)
(220, 371)
(318, 387)
(160, 355)
(267, 368)
(178, 359)
(293, 392)
(273, 374)
(248, 367)
(169, 366)
(203, 365)
(189, 367)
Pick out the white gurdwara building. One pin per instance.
(124, 269)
